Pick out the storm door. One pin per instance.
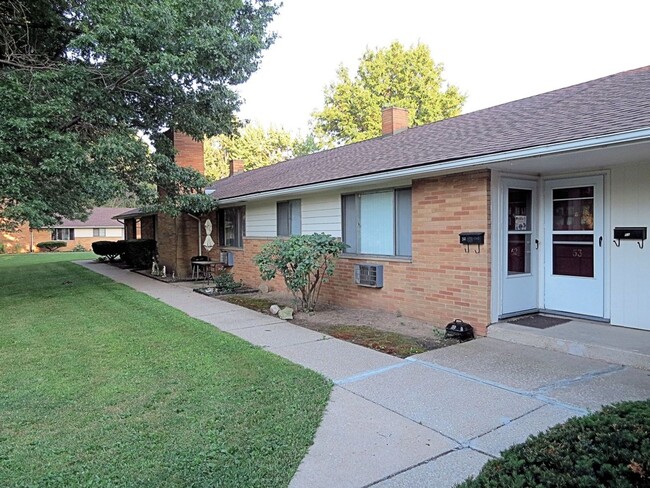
(520, 276)
(574, 266)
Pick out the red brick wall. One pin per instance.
(148, 227)
(21, 239)
(442, 282)
(190, 152)
(178, 241)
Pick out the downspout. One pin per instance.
(198, 223)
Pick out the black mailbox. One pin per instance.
(633, 233)
(472, 238)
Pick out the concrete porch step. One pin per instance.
(618, 345)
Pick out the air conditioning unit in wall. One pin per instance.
(227, 258)
(370, 275)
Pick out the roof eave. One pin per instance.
(427, 169)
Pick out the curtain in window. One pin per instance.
(376, 228)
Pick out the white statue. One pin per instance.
(163, 274)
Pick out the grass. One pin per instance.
(388, 342)
(104, 386)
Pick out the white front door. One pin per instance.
(573, 243)
(519, 255)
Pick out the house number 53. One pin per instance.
(577, 253)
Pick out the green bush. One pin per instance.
(79, 248)
(2, 248)
(139, 253)
(51, 246)
(607, 448)
(305, 262)
(224, 281)
(110, 249)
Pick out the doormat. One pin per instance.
(539, 321)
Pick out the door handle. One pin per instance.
(600, 241)
(536, 243)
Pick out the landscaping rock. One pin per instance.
(286, 313)
(274, 309)
(263, 288)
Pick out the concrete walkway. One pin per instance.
(430, 420)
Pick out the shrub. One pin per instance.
(51, 246)
(305, 263)
(79, 248)
(224, 281)
(139, 253)
(608, 448)
(110, 249)
(2, 248)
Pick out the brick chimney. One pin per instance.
(236, 166)
(394, 120)
(189, 152)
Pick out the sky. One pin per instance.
(495, 51)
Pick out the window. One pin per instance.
(99, 232)
(289, 223)
(63, 234)
(378, 222)
(231, 226)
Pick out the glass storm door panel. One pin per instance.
(520, 280)
(574, 279)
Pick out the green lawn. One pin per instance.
(104, 386)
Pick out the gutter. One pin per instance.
(450, 166)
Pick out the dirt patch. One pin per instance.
(385, 332)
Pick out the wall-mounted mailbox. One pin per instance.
(638, 234)
(472, 239)
(634, 233)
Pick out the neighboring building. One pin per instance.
(99, 226)
(555, 185)
(23, 239)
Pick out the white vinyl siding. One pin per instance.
(630, 265)
(260, 219)
(322, 213)
(115, 232)
(85, 232)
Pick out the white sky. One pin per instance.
(494, 50)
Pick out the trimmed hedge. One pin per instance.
(607, 448)
(139, 253)
(110, 249)
(51, 246)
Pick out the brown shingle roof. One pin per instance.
(608, 105)
(99, 217)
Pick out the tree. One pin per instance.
(306, 145)
(394, 76)
(79, 80)
(305, 262)
(253, 144)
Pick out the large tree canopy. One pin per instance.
(394, 76)
(80, 79)
(256, 146)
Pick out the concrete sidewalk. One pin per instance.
(430, 420)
